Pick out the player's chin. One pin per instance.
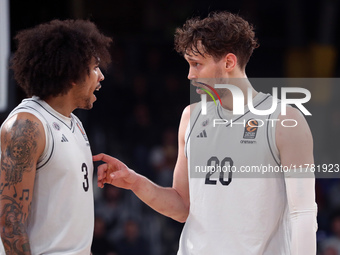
(94, 98)
(91, 101)
(88, 104)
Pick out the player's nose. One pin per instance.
(101, 75)
(191, 74)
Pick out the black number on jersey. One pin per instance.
(86, 182)
(223, 167)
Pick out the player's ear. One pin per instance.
(230, 61)
(74, 84)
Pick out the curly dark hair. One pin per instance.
(220, 33)
(52, 55)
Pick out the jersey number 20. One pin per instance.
(223, 167)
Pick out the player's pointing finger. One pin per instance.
(106, 158)
(98, 157)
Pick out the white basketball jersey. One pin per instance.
(61, 220)
(233, 211)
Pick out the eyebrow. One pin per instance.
(190, 58)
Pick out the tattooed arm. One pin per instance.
(22, 143)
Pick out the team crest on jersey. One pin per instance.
(56, 126)
(205, 122)
(251, 129)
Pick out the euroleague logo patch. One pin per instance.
(83, 133)
(250, 130)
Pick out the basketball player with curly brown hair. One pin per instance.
(46, 169)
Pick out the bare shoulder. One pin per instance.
(188, 110)
(25, 132)
(294, 139)
(293, 113)
(295, 123)
(23, 121)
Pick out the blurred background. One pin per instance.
(145, 90)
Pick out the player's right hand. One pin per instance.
(114, 172)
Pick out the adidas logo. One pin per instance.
(202, 134)
(64, 139)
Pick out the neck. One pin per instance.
(62, 104)
(244, 85)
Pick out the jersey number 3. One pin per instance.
(86, 175)
(223, 167)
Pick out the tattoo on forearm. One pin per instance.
(13, 232)
(21, 145)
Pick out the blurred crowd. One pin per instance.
(137, 123)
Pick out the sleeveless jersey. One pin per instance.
(233, 210)
(61, 219)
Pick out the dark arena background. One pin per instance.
(146, 88)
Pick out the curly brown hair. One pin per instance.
(220, 33)
(52, 55)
